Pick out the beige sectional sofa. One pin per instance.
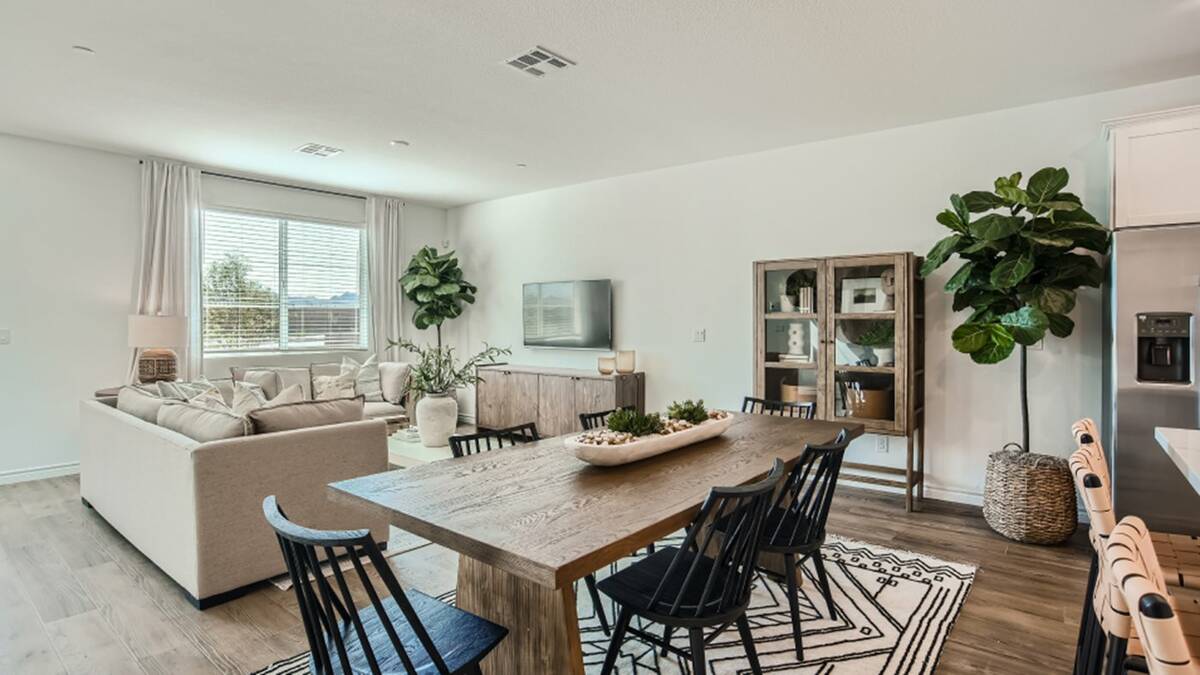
(195, 508)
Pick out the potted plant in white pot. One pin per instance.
(1023, 261)
(434, 283)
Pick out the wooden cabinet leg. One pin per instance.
(908, 475)
(921, 463)
(543, 627)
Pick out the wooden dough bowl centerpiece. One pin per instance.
(630, 436)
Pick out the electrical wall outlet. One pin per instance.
(881, 444)
(5, 336)
(699, 335)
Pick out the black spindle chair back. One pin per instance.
(484, 441)
(725, 586)
(803, 503)
(762, 406)
(328, 610)
(595, 420)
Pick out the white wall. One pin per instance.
(69, 234)
(68, 243)
(679, 242)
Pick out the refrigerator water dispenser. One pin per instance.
(1164, 347)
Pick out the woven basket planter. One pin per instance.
(1029, 498)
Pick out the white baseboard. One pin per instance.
(38, 472)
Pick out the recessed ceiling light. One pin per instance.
(82, 49)
(401, 143)
(522, 164)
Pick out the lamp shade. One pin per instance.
(157, 331)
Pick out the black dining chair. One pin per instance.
(484, 441)
(795, 524)
(692, 587)
(762, 406)
(595, 420)
(462, 445)
(407, 632)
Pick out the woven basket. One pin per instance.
(1029, 498)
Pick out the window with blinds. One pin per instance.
(275, 284)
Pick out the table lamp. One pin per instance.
(155, 336)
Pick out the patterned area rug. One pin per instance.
(894, 611)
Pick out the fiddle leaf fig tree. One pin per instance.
(1024, 256)
(434, 284)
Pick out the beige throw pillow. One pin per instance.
(295, 376)
(246, 398)
(139, 403)
(290, 394)
(393, 381)
(306, 414)
(366, 377)
(327, 387)
(200, 423)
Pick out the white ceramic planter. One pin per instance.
(649, 446)
(884, 355)
(437, 418)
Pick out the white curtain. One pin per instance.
(385, 265)
(169, 270)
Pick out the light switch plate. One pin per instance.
(699, 335)
(5, 336)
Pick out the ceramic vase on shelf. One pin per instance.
(437, 418)
(626, 361)
(606, 364)
(884, 355)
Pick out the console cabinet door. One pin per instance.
(490, 395)
(521, 400)
(594, 395)
(556, 405)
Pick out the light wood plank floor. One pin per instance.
(77, 598)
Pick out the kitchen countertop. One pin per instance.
(1183, 447)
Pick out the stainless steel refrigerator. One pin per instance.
(1152, 304)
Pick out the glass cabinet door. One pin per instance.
(865, 360)
(791, 301)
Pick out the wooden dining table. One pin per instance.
(530, 520)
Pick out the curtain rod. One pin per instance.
(276, 184)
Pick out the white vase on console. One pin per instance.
(437, 418)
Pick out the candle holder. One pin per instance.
(606, 364)
(626, 361)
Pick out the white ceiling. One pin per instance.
(241, 83)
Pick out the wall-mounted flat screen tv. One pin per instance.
(568, 314)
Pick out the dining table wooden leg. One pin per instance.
(542, 623)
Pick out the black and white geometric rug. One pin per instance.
(894, 611)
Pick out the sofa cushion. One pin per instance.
(393, 380)
(326, 387)
(306, 414)
(290, 394)
(140, 403)
(182, 391)
(298, 376)
(201, 423)
(268, 379)
(366, 377)
(376, 409)
(247, 398)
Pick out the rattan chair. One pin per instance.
(1168, 641)
(1105, 621)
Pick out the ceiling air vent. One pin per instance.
(318, 150)
(539, 61)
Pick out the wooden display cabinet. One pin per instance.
(828, 345)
